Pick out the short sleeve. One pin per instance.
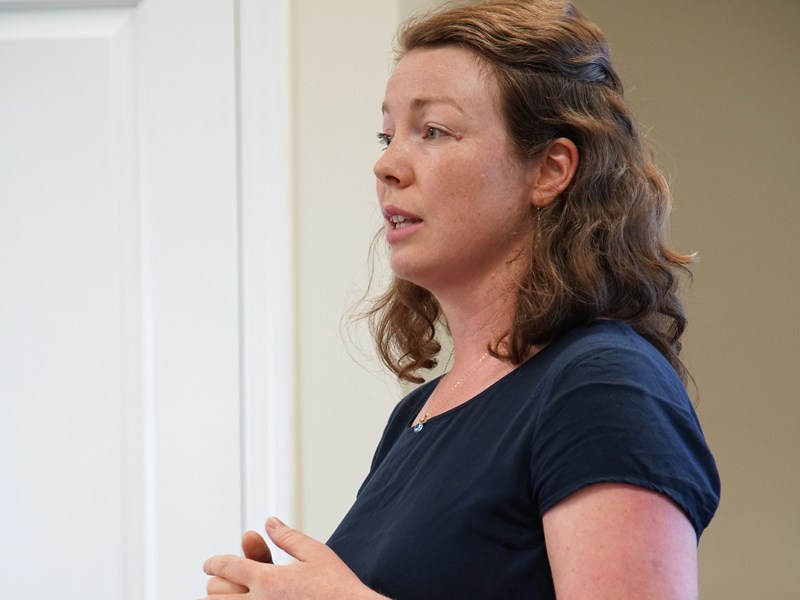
(621, 415)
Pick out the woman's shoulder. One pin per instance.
(621, 414)
(600, 367)
(606, 347)
(607, 334)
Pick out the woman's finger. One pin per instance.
(218, 585)
(255, 548)
(233, 568)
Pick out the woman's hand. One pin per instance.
(318, 574)
(254, 548)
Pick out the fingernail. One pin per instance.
(274, 522)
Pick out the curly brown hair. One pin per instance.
(599, 249)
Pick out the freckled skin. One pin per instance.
(613, 541)
(452, 167)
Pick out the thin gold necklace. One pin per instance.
(421, 423)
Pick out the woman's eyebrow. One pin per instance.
(418, 103)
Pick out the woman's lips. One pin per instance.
(401, 229)
(401, 224)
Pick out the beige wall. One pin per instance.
(716, 83)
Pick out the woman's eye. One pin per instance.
(384, 139)
(431, 133)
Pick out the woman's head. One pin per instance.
(456, 198)
(598, 249)
(547, 59)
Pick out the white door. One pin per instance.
(144, 378)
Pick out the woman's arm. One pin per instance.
(617, 541)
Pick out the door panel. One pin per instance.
(122, 445)
(65, 412)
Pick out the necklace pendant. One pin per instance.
(418, 427)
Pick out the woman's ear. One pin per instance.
(553, 170)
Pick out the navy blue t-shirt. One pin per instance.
(455, 510)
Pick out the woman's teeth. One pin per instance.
(399, 222)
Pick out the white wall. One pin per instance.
(341, 58)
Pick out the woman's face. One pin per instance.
(457, 204)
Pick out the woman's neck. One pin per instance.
(478, 318)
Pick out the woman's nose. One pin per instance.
(392, 168)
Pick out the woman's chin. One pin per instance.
(408, 270)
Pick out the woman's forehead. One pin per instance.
(447, 74)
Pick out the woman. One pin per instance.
(560, 456)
